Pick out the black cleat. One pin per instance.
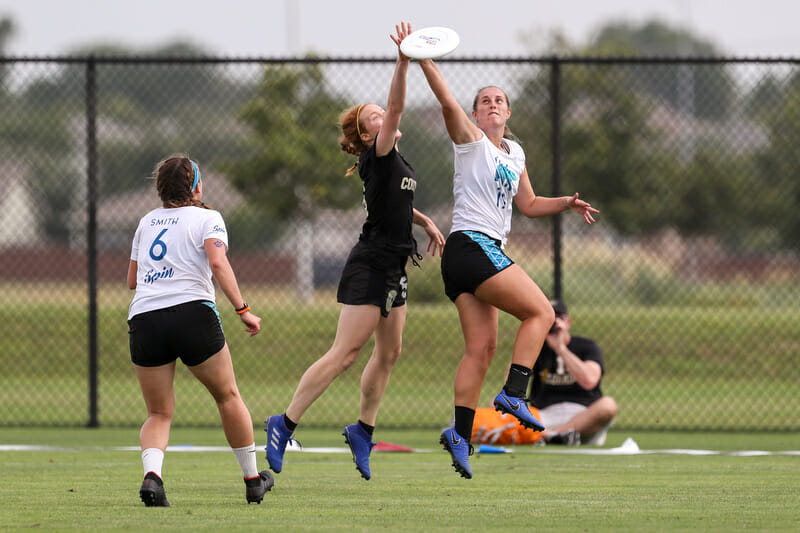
(567, 438)
(152, 492)
(258, 486)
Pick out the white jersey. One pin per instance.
(485, 182)
(172, 263)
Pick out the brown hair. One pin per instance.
(507, 133)
(174, 177)
(350, 141)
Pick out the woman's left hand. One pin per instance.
(252, 322)
(585, 209)
(436, 239)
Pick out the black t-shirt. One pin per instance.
(552, 383)
(389, 185)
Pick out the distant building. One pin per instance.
(19, 222)
(118, 215)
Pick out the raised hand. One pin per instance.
(585, 209)
(403, 31)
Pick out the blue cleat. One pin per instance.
(278, 436)
(361, 444)
(518, 408)
(460, 449)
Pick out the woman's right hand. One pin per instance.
(403, 31)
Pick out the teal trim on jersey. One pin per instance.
(490, 248)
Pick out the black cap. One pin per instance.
(559, 306)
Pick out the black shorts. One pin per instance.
(368, 278)
(191, 331)
(469, 259)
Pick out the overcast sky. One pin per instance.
(261, 28)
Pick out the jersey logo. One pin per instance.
(390, 299)
(154, 275)
(408, 184)
(504, 180)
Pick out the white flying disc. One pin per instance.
(428, 43)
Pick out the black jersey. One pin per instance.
(389, 185)
(552, 383)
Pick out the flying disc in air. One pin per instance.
(428, 43)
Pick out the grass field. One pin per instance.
(671, 368)
(90, 485)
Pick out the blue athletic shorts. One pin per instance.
(469, 259)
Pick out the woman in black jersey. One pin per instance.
(373, 285)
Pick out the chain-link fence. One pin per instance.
(689, 280)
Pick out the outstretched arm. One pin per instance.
(459, 126)
(387, 136)
(533, 206)
(436, 239)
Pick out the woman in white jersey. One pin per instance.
(176, 250)
(478, 276)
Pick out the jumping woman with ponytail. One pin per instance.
(373, 286)
(490, 176)
(176, 250)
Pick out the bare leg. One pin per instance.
(591, 420)
(356, 325)
(514, 292)
(479, 325)
(159, 398)
(375, 378)
(216, 373)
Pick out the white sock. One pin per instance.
(247, 460)
(152, 461)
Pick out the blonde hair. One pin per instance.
(350, 141)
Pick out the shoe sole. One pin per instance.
(459, 468)
(353, 453)
(498, 406)
(151, 498)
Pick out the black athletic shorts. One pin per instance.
(369, 278)
(469, 259)
(191, 331)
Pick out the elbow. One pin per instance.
(589, 383)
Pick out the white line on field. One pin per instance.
(501, 449)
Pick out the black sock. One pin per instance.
(366, 427)
(517, 383)
(289, 424)
(464, 418)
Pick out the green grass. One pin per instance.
(90, 486)
(720, 367)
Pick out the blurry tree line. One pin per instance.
(276, 137)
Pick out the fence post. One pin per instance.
(555, 148)
(91, 230)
